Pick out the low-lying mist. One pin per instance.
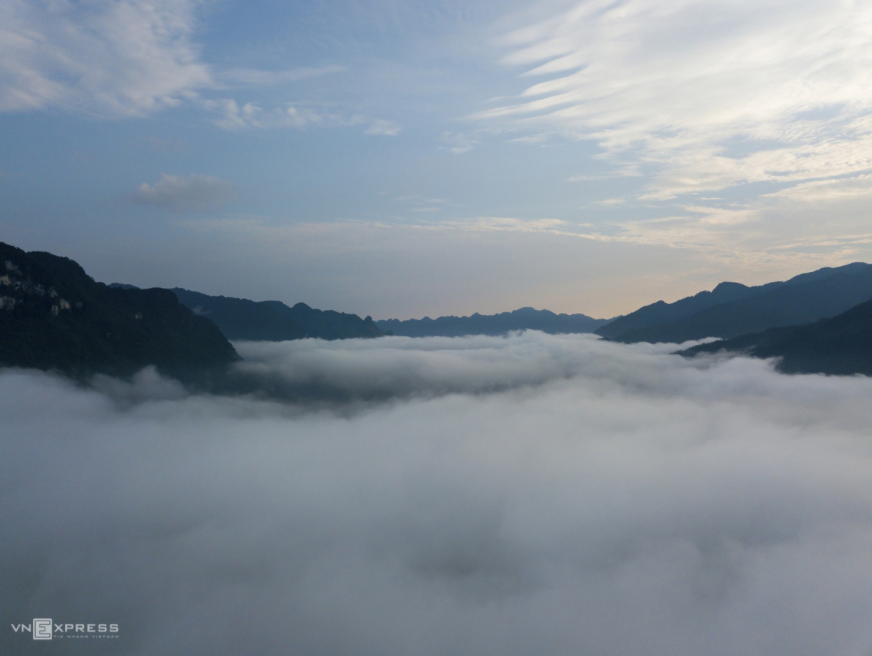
(509, 496)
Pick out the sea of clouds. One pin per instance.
(524, 495)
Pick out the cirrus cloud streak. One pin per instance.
(705, 94)
(127, 58)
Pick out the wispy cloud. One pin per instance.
(132, 58)
(349, 236)
(185, 193)
(124, 58)
(423, 204)
(233, 116)
(505, 224)
(262, 78)
(459, 142)
(624, 172)
(384, 128)
(676, 85)
(817, 191)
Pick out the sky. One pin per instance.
(402, 158)
(529, 494)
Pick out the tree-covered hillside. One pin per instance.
(54, 316)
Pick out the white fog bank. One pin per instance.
(509, 496)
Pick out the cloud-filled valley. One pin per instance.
(359, 176)
(528, 494)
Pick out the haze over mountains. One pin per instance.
(525, 318)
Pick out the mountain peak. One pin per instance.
(729, 287)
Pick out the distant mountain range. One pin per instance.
(732, 309)
(525, 318)
(239, 318)
(54, 316)
(839, 345)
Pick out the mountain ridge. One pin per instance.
(243, 319)
(840, 345)
(525, 318)
(732, 309)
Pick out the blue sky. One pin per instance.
(401, 158)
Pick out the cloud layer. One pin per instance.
(532, 494)
(185, 193)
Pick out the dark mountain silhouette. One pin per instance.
(661, 312)
(732, 309)
(239, 318)
(54, 316)
(493, 324)
(839, 345)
